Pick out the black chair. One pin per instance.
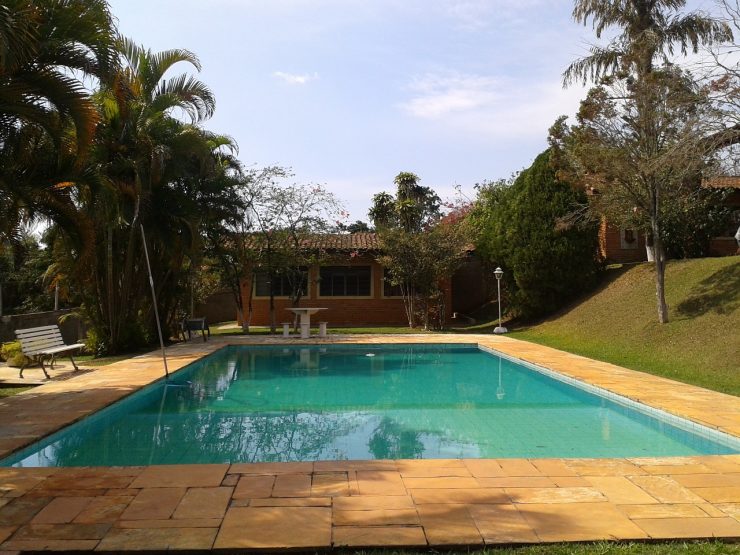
(189, 325)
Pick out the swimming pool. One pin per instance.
(331, 402)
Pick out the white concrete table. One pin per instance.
(305, 314)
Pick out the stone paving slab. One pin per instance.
(324, 504)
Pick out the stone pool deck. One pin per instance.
(319, 505)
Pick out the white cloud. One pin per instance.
(440, 95)
(491, 106)
(296, 79)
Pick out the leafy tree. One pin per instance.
(413, 207)
(419, 251)
(152, 170)
(357, 226)
(48, 49)
(520, 227)
(420, 264)
(641, 119)
(283, 222)
(24, 278)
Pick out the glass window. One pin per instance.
(345, 281)
(283, 284)
(390, 290)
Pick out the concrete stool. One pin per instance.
(286, 329)
(305, 331)
(322, 329)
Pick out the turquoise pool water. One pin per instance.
(251, 404)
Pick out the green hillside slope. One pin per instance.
(617, 324)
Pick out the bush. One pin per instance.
(13, 355)
(520, 228)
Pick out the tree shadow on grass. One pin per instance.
(717, 293)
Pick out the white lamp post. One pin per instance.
(499, 273)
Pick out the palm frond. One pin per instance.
(602, 61)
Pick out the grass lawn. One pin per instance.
(700, 344)
(602, 548)
(10, 391)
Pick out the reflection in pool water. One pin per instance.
(252, 404)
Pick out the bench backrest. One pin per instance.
(36, 340)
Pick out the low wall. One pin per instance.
(219, 307)
(73, 328)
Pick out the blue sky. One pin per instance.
(350, 92)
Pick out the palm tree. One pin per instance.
(154, 166)
(650, 29)
(47, 118)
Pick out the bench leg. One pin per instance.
(41, 362)
(53, 360)
(73, 363)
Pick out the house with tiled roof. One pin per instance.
(624, 245)
(353, 286)
(725, 244)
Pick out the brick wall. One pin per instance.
(73, 328)
(611, 245)
(723, 246)
(341, 311)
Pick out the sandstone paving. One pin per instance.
(103, 509)
(502, 524)
(377, 517)
(204, 503)
(139, 539)
(62, 510)
(177, 476)
(370, 536)
(620, 490)
(702, 480)
(315, 505)
(663, 511)
(731, 509)
(666, 489)
(171, 523)
(449, 525)
(719, 494)
(154, 503)
(664, 528)
(275, 527)
(285, 502)
(330, 484)
(580, 522)
(292, 485)
(249, 487)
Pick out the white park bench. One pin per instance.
(43, 342)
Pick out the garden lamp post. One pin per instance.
(499, 273)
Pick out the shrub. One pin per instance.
(13, 355)
(520, 228)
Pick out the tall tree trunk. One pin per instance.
(273, 325)
(660, 264)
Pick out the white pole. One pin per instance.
(56, 296)
(154, 299)
(499, 329)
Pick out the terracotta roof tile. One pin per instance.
(364, 241)
(723, 182)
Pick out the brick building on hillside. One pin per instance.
(619, 245)
(354, 288)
